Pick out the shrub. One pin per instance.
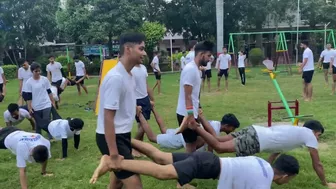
(63, 60)
(256, 56)
(10, 71)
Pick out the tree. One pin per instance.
(312, 12)
(154, 32)
(111, 18)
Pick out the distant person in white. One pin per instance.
(223, 67)
(232, 173)
(64, 129)
(39, 99)
(275, 139)
(182, 61)
(14, 115)
(3, 82)
(144, 97)
(80, 75)
(24, 73)
(241, 67)
(28, 147)
(333, 71)
(157, 72)
(206, 74)
(55, 73)
(307, 69)
(326, 55)
(117, 108)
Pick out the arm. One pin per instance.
(110, 131)
(273, 157)
(77, 140)
(32, 122)
(317, 165)
(50, 93)
(49, 76)
(305, 60)
(188, 100)
(44, 167)
(207, 126)
(210, 140)
(64, 148)
(150, 92)
(229, 64)
(20, 85)
(4, 90)
(23, 178)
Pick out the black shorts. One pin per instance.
(123, 142)
(196, 165)
(157, 76)
(326, 65)
(78, 78)
(206, 74)
(189, 135)
(224, 72)
(146, 108)
(1, 87)
(334, 70)
(308, 76)
(4, 133)
(58, 85)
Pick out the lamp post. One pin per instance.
(325, 34)
(297, 32)
(220, 24)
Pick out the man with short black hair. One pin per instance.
(14, 115)
(55, 73)
(232, 173)
(28, 147)
(117, 108)
(223, 66)
(64, 129)
(275, 139)
(157, 71)
(80, 75)
(307, 69)
(326, 55)
(24, 73)
(190, 85)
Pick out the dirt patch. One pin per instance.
(276, 123)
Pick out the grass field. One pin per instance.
(248, 103)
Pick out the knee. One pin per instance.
(157, 157)
(164, 173)
(152, 139)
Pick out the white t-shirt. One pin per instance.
(326, 55)
(22, 143)
(1, 72)
(170, 140)
(224, 61)
(22, 115)
(54, 91)
(156, 64)
(190, 76)
(24, 75)
(241, 61)
(182, 60)
(80, 66)
(39, 88)
(283, 138)
(55, 70)
(208, 67)
(63, 83)
(117, 92)
(60, 129)
(190, 57)
(310, 64)
(140, 76)
(245, 173)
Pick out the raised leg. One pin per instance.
(159, 121)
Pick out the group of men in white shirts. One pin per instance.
(125, 96)
(36, 92)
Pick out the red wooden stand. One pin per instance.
(295, 105)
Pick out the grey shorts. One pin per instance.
(246, 142)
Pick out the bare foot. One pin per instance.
(102, 169)
(136, 153)
(186, 186)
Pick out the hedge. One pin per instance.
(10, 71)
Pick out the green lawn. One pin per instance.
(249, 103)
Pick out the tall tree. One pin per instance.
(154, 32)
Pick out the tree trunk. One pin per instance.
(259, 37)
(220, 24)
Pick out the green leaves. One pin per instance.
(154, 32)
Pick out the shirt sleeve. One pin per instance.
(113, 91)
(310, 140)
(189, 78)
(322, 54)
(6, 117)
(305, 54)
(47, 83)
(47, 68)
(1, 70)
(22, 153)
(20, 74)
(229, 57)
(145, 69)
(25, 113)
(59, 65)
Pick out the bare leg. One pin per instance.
(79, 89)
(159, 86)
(218, 83)
(203, 83)
(85, 89)
(226, 84)
(146, 128)
(163, 158)
(133, 182)
(304, 90)
(156, 84)
(140, 133)
(162, 172)
(326, 77)
(310, 91)
(209, 84)
(114, 182)
(159, 121)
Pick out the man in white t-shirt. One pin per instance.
(326, 55)
(307, 69)
(3, 82)
(28, 147)
(144, 97)
(64, 129)
(206, 74)
(39, 99)
(275, 139)
(232, 173)
(80, 75)
(223, 66)
(182, 61)
(55, 73)
(14, 115)
(332, 71)
(157, 72)
(190, 84)
(241, 67)
(24, 73)
(117, 108)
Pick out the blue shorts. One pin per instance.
(146, 108)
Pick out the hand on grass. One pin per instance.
(331, 185)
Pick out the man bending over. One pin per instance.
(232, 173)
(14, 115)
